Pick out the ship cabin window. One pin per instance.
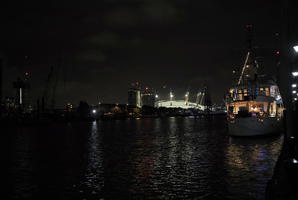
(249, 91)
(240, 95)
(245, 92)
(262, 92)
(272, 109)
(267, 91)
(257, 91)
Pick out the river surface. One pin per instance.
(164, 158)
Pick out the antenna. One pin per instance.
(249, 36)
(249, 45)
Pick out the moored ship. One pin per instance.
(254, 105)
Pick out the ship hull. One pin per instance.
(253, 126)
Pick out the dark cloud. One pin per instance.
(107, 44)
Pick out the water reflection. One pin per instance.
(93, 180)
(253, 158)
(166, 158)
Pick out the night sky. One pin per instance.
(102, 46)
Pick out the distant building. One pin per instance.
(183, 103)
(148, 97)
(180, 104)
(134, 96)
(202, 101)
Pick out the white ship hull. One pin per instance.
(253, 126)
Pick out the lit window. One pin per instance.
(267, 91)
(245, 92)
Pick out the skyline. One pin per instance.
(104, 46)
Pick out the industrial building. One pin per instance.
(148, 97)
(134, 95)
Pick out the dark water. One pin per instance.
(171, 158)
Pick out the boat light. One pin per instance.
(294, 91)
(294, 161)
(294, 85)
(93, 111)
(295, 48)
(295, 74)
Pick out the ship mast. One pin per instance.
(249, 42)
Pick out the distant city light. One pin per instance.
(296, 48)
(294, 85)
(295, 99)
(294, 161)
(186, 95)
(294, 91)
(171, 95)
(295, 73)
(21, 97)
(93, 111)
(156, 96)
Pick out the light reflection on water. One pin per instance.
(168, 158)
(93, 182)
